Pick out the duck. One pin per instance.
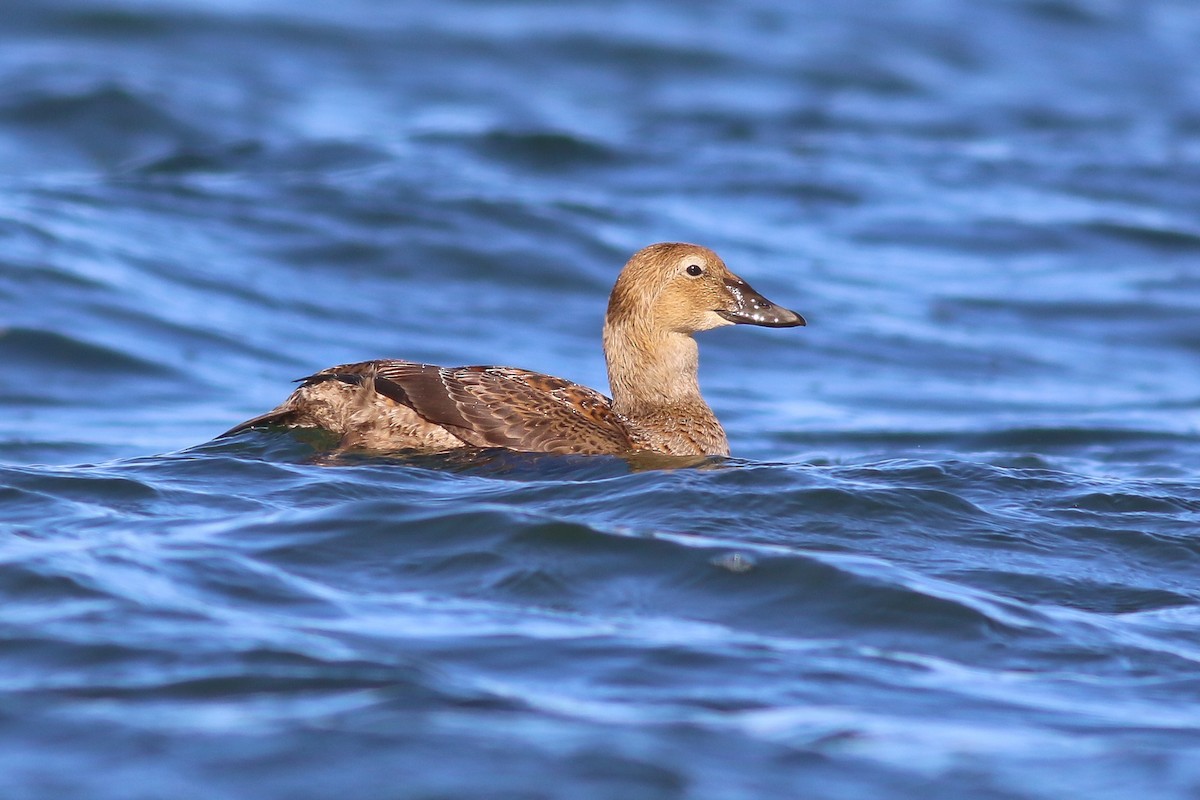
(666, 293)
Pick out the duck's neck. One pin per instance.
(652, 375)
(650, 370)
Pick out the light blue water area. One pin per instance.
(955, 554)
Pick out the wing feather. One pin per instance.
(497, 406)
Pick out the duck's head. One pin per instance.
(684, 288)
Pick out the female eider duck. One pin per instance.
(666, 293)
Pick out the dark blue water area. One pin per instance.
(956, 553)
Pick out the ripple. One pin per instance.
(41, 350)
(544, 150)
(104, 124)
(1160, 237)
(250, 157)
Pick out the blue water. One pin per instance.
(956, 553)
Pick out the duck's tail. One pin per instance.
(280, 416)
(297, 410)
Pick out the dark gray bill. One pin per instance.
(751, 308)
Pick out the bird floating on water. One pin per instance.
(665, 293)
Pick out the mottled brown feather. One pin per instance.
(488, 406)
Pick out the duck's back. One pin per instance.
(392, 405)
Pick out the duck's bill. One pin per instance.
(751, 308)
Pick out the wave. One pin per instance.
(102, 125)
(46, 351)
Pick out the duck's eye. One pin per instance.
(694, 270)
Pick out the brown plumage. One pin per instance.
(665, 293)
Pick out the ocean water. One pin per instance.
(955, 554)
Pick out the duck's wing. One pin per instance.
(496, 406)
